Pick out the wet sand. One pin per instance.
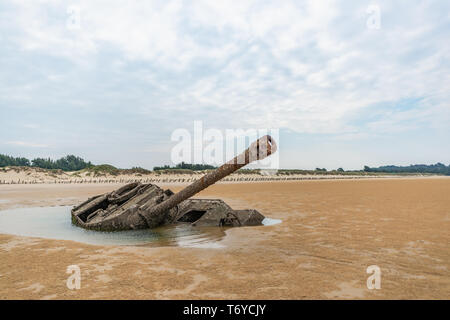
(332, 231)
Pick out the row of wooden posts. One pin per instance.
(172, 180)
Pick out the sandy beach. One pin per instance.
(331, 231)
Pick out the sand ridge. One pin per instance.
(33, 175)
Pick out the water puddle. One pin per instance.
(270, 222)
(55, 223)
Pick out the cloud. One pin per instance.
(27, 144)
(31, 126)
(141, 70)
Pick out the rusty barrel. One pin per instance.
(258, 150)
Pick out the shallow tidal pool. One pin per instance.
(55, 223)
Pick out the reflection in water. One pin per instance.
(55, 223)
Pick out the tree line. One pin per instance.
(74, 163)
(67, 163)
(438, 168)
(189, 166)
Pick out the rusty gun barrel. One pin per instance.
(258, 150)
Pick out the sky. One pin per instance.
(346, 83)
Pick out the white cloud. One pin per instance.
(31, 125)
(27, 144)
(309, 66)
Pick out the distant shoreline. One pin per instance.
(21, 175)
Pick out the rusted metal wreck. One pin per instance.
(142, 206)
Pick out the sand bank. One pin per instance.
(31, 175)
